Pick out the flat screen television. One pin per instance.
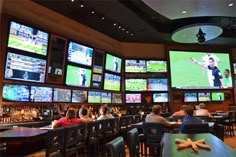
(135, 66)
(25, 68)
(116, 98)
(106, 97)
(94, 97)
(234, 65)
(156, 66)
(113, 63)
(112, 82)
(217, 96)
(79, 54)
(40, 94)
(61, 95)
(97, 69)
(133, 98)
(27, 38)
(160, 97)
(190, 97)
(97, 78)
(79, 96)
(12, 92)
(135, 84)
(77, 76)
(98, 61)
(200, 70)
(157, 84)
(204, 96)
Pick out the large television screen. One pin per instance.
(98, 61)
(106, 97)
(135, 84)
(112, 82)
(77, 76)
(116, 98)
(40, 94)
(190, 97)
(204, 96)
(200, 70)
(113, 63)
(157, 84)
(80, 54)
(25, 68)
(135, 66)
(94, 97)
(156, 66)
(217, 96)
(79, 96)
(61, 95)
(133, 98)
(160, 97)
(26, 38)
(234, 65)
(15, 92)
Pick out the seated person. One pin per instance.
(155, 117)
(80, 110)
(202, 111)
(69, 120)
(189, 119)
(180, 112)
(84, 115)
(104, 114)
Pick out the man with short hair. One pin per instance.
(202, 111)
(189, 119)
(154, 116)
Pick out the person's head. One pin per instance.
(226, 73)
(70, 113)
(211, 62)
(84, 112)
(104, 110)
(156, 109)
(189, 110)
(202, 105)
(183, 107)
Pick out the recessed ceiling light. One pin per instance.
(119, 26)
(92, 11)
(123, 29)
(231, 4)
(81, 5)
(127, 31)
(72, 0)
(103, 18)
(132, 34)
(184, 11)
(114, 24)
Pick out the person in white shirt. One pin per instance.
(205, 60)
(104, 113)
(202, 111)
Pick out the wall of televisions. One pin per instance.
(42, 67)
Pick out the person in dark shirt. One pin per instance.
(189, 119)
(216, 74)
(83, 77)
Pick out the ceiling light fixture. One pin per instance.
(114, 24)
(120, 27)
(92, 11)
(103, 17)
(201, 36)
(127, 32)
(231, 4)
(131, 34)
(184, 12)
(72, 0)
(123, 29)
(81, 4)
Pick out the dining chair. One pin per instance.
(196, 128)
(133, 142)
(116, 147)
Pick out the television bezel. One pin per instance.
(5, 100)
(62, 101)
(79, 64)
(25, 51)
(41, 101)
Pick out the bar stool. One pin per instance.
(92, 137)
(133, 142)
(71, 136)
(80, 146)
(116, 147)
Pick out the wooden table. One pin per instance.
(218, 148)
(22, 140)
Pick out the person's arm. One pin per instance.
(222, 83)
(199, 63)
(165, 122)
(58, 123)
